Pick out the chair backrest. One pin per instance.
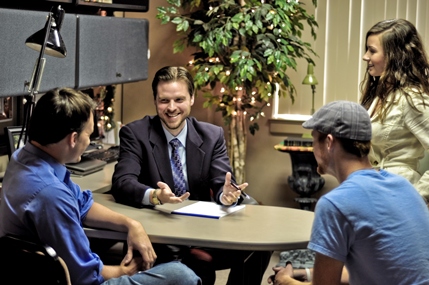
(25, 262)
(13, 134)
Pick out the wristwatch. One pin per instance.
(155, 199)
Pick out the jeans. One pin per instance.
(247, 267)
(171, 273)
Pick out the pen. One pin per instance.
(238, 188)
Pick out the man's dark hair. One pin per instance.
(58, 113)
(171, 74)
(355, 147)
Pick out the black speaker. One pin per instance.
(18, 61)
(111, 50)
(100, 51)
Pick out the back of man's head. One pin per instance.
(347, 121)
(58, 113)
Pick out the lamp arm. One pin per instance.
(34, 85)
(313, 90)
(38, 69)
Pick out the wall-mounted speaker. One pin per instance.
(111, 50)
(100, 51)
(17, 61)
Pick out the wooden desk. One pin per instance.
(97, 182)
(256, 227)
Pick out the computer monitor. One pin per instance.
(12, 134)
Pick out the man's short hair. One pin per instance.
(58, 113)
(171, 74)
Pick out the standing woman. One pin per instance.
(395, 91)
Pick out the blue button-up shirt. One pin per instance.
(39, 202)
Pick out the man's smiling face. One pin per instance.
(173, 105)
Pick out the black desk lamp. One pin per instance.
(47, 40)
(310, 79)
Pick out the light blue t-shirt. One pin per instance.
(39, 202)
(378, 225)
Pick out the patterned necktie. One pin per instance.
(176, 167)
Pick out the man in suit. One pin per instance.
(146, 173)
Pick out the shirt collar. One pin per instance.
(59, 169)
(181, 136)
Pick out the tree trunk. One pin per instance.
(238, 146)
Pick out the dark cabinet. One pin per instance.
(123, 5)
(79, 6)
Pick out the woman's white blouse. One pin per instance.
(401, 140)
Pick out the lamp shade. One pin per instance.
(310, 79)
(54, 44)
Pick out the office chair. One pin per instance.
(25, 262)
(12, 134)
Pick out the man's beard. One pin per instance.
(172, 126)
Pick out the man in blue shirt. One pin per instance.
(39, 202)
(374, 223)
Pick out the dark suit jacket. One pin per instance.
(144, 160)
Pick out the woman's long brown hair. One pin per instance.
(406, 67)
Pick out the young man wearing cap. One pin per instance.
(374, 223)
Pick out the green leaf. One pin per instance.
(165, 20)
(270, 59)
(255, 29)
(268, 52)
(183, 26)
(216, 69)
(197, 38)
(178, 46)
(237, 18)
(177, 20)
(176, 3)
(161, 10)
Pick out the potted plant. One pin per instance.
(243, 49)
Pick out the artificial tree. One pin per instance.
(243, 49)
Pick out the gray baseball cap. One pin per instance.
(342, 119)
